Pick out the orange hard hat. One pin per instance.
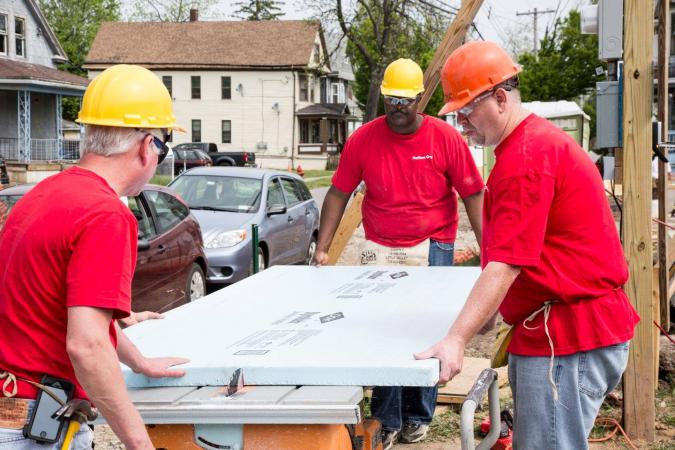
(472, 69)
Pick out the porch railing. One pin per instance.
(40, 150)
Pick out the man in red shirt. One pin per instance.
(552, 260)
(413, 166)
(68, 255)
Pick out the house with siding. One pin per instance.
(31, 89)
(260, 86)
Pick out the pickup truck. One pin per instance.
(241, 159)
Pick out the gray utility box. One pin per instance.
(607, 114)
(610, 29)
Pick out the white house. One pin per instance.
(31, 88)
(260, 86)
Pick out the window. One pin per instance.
(196, 130)
(303, 88)
(196, 83)
(311, 90)
(317, 54)
(227, 131)
(303, 190)
(20, 36)
(169, 210)
(292, 193)
(146, 229)
(233, 194)
(310, 131)
(168, 82)
(274, 194)
(3, 34)
(226, 87)
(337, 91)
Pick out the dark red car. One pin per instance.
(187, 159)
(171, 261)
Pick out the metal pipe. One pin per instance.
(254, 241)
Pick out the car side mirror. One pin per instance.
(276, 209)
(143, 244)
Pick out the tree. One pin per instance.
(564, 67)
(168, 10)
(259, 10)
(75, 23)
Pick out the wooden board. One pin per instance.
(455, 390)
(350, 222)
(638, 92)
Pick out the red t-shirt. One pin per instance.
(545, 210)
(69, 242)
(411, 180)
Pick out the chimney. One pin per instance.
(194, 15)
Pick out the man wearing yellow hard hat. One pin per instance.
(69, 252)
(413, 166)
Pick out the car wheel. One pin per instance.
(196, 283)
(311, 250)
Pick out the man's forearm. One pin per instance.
(97, 369)
(484, 300)
(127, 352)
(331, 213)
(474, 210)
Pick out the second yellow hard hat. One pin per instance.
(403, 78)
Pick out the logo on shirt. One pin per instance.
(422, 157)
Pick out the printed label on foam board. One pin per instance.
(269, 339)
(361, 289)
(331, 317)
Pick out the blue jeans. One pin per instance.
(396, 405)
(14, 439)
(582, 379)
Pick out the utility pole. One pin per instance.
(534, 15)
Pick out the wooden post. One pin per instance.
(432, 76)
(638, 91)
(663, 63)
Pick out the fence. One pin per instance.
(41, 150)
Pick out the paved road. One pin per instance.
(319, 194)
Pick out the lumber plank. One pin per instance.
(639, 409)
(456, 389)
(350, 222)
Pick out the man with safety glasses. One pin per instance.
(553, 264)
(69, 252)
(413, 166)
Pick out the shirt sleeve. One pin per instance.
(462, 170)
(518, 215)
(348, 174)
(102, 263)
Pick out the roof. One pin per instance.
(18, 70)
(551, 110)
(233, 44)
(324, 109)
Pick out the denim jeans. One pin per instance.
(14, 439)
(396, 405)
(582, 379)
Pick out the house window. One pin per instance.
(20, 36)
(311, 89)
(168, 82)
(317, 54)
(227, 131)
(226, 87)
(3, 34)
(310, 131)
(196, 83)
(196, 130)
(303, 88)
(337, 91)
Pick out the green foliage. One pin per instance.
(75, 23)
(564, 67)
(259, 10)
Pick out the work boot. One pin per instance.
(413, 432)
(389, 438)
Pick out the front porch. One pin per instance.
(323, 129)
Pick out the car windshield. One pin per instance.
(219, 193)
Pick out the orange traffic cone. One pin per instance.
(300, 171)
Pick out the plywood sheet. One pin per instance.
(301, 325)
(456, 389)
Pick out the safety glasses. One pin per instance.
(403, 101)
(468, 109)
(160, 144)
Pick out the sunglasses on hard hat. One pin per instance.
(403, 101)
(160, 144)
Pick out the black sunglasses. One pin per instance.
(161, 145)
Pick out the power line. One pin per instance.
(534, 14)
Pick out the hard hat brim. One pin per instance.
(408, 93)
(452, 106)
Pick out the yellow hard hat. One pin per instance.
(403, 78)
(127, 96)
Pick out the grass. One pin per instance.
(322, 182)
(444, 426)
(162, 180)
